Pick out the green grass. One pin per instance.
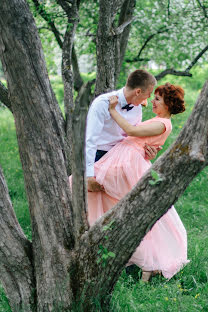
(186, 291)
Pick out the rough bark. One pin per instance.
(40, 138)
(78, 81)
(4, 97)
(105, 47)
(126, 13)
(78, 161)
(71, 9)
(111, 42)
(16, 267)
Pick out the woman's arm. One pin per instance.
(155, 128)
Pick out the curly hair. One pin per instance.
(173, 97)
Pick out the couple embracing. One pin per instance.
(119, 147)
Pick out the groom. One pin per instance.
(102, 131)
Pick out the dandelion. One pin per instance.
(197, 295)
(174, 299)
(166, 298)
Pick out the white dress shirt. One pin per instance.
(102, 131)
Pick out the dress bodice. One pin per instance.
(156, 140)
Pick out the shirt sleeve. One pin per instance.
(97, 115)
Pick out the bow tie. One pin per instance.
(127, 107)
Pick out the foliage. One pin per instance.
(170, 33)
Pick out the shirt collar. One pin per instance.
(121, 97)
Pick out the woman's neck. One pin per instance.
(167, 115)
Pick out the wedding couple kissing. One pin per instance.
(119, 147)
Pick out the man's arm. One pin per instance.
(95, 122)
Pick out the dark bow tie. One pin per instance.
(127, 107)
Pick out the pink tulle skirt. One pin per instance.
(164, 247)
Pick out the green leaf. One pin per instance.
(105, 256)
(155, 175)
(111, 254)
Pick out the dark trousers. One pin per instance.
(99, 154)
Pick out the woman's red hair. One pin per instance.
(173, 97)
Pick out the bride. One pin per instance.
(164, 248)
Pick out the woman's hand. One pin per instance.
(113, 101)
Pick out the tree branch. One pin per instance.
(138, 58)
(50, 22)
(168, 8)
(203, 8)
(16, 268)
(197, 58)
(78, 81)
(119, 30)
(117, 5)
(4, 97)
(77, 77)
(127, 11)
(78, 163)
(172, 71)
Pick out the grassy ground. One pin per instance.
(188, 290)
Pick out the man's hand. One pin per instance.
(151, 151)
(93, 185)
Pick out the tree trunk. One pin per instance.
(105, 43)
(40, 139)
(16, 269)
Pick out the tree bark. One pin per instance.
(4, 98)
(127, 12)
(112, 42)
(39, 126)
(16, 264)
(105, 48)
(71, 9)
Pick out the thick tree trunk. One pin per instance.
(40, 138)
(112, 42)
(127, 12)
(105, 43)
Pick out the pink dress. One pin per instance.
(164, 247)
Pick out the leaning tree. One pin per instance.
(68, 264)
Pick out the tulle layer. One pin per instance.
(164, 247)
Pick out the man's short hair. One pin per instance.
(140, 79)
